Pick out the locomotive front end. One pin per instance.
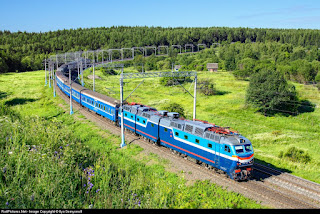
(244, 156)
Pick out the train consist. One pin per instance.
(204, 143)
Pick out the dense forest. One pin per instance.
(242, 49)
(299, 64)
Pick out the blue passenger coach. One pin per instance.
(101, 104)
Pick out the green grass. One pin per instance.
(48, 158)
(269, 135)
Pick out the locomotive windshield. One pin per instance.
(244, 148)
(248, 148)
(239, 149)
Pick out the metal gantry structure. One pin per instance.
(82, 60)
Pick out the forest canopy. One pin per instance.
(23, 51)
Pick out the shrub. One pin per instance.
(295, 155)
(175, 107)
(207, 88)
(170, 81)
(317, 78)
(241, 74)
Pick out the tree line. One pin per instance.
(23, 51)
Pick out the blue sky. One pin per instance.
(44, 15)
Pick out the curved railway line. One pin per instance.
(269, 187)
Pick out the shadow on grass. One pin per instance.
(56, 115)
(293, 108)
(3, 95)
(222, 92)
(305, 106)
(19, 101)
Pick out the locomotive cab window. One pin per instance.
(227, 148)
(197, 141)
(138, 119)
(186, 137)
(165, 129)
(144, 121)
(176, 133)
(152, 125)
(248, 148)
(239, 149)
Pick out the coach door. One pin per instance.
(95, 105)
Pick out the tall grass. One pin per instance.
(60, 161)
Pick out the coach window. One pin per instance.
(209, 145)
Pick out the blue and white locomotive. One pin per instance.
(210, 145)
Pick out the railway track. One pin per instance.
(269, 186)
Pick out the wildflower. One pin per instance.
(55, 152)
(7, 203)
(67, 144)
(87, 192)
(61, 147)
(98, 190)
(10, 153)
(4, 169)
(32, 197)
(84, 185)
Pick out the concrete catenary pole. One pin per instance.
(54, 81)
(50, 74)
(121, 105)
(45, 69)
(81, 71)
(195, 97)
(70, 85)
(93, 89)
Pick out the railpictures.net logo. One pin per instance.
(41, 211)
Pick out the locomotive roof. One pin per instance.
(235, 140)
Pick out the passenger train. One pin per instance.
(205, 143)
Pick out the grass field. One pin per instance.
(50, 159)
(269, 135)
